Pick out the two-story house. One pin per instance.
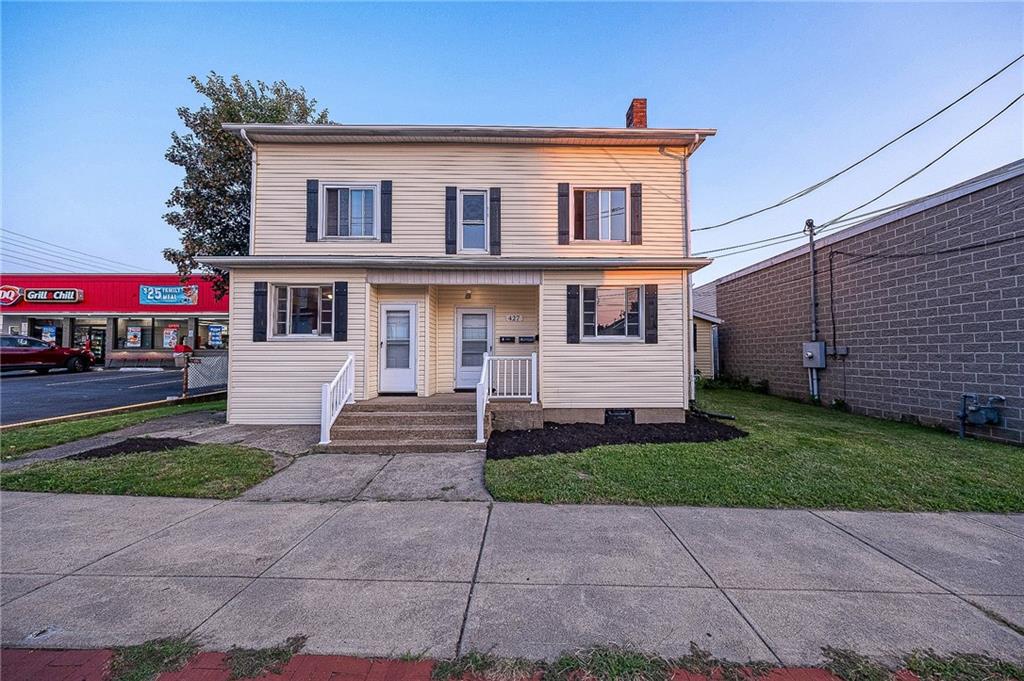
(552, 263)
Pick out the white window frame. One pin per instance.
(288, 335)
(572, 214)
(487, 221)
(322, 210)
(639, 338)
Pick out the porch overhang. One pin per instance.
(451, 263)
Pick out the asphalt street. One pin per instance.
(26, 396)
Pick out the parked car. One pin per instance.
(22, 352)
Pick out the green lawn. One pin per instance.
(796, 455)
(20, 441)
(204, 471)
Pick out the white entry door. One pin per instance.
(397, 348)
(473, 337)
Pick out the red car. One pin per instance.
(21, 352)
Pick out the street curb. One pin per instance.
(142, 406)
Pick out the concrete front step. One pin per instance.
(416, 446)
(400, 430)
(348, 417)
(422, 405)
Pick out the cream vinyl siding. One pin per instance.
(372, 346)
(528, 177)
(703, 359)
(278, 381)
(503, 301)
(606, 374)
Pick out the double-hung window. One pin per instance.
(600, 214)
(303, 311)
(349, 211)
(473, 218)
(611, 312)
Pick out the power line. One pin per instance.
(36, 251)
(821, 183)
(943, 251)
(852, 219)
(72, 250)
(932, 162)
(31, 262)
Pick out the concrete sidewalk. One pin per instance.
(437, 578)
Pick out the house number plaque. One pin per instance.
(513, 317)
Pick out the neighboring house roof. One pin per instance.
(1001, 174)
(707, 317)
(705, 300)
(469, 134)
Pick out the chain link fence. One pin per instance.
(205, 373)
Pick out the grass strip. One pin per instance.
(17, 442)
(212, 471)
(146, 661)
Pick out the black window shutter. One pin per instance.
(341, 310)
(636, 213)
(451, 196)
(495, 195)
(577, 215)
(259, 312)
(563, 212)
(572, 313)
(385, 211)
(312, 206)
(650, 313)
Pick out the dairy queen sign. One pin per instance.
(10, 295)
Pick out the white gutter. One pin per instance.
(252, 188)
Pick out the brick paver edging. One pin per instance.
(19, 664)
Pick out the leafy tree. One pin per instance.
(210, 208)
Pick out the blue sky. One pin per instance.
(796, 91)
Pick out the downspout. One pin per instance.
(252, 187)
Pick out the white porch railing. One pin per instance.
(504, 378)
(335, 395)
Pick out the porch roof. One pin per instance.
(452, 263)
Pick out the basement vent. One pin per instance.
(619, 417)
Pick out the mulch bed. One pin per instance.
(134, 445)
(556, 438)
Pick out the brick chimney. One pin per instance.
(636, 114)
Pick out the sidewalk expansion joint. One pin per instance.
(989, 614)
(733, 603)
(254, 579)
(473, 583)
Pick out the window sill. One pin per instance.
(349, 238)
(606, 242)
(300, 339)
(615, 341)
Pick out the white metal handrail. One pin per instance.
(483, 394)
(335, 395)
(504, 378)
(514, 378)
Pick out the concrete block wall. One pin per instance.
(921, 330)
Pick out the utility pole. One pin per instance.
(812, 372)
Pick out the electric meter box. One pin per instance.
(814, 354)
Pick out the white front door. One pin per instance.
(397, 348)
(473, 337)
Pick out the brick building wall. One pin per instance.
(920, 330)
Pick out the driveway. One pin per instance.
(26, 396)
(437, 578)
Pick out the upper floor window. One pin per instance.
(473, 217)
(600, 214)
(349, 211)
(303, 310)
(611, 312)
